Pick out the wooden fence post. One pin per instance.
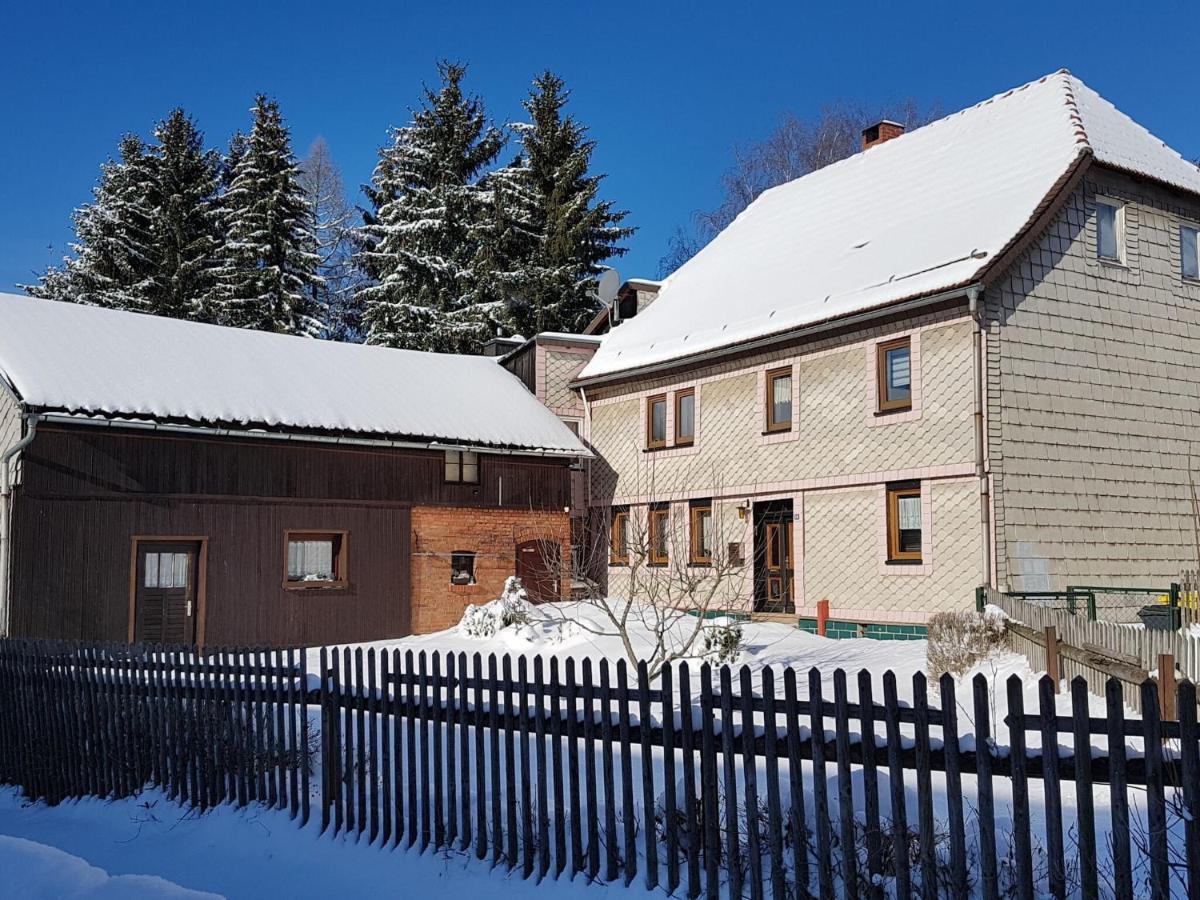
(1166, 687)
(1052, 656)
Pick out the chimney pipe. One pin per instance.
(881, 131)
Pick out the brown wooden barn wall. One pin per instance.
(87, 492)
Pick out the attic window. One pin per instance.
(462, 466)
(1110, 230)
(893, 363)
(1189, 251)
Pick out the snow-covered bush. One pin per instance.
(958, 640)
(723, 640)
(511, 609)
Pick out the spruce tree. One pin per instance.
(113, 260)
(183, 219)
(331, 215)
(421, 243)
(557, 232)
(268, 265)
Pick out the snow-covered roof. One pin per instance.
(84, 360)
(922, 213)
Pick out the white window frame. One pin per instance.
(1195, 229)
(1119, 223)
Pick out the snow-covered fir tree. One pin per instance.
(332, 221)
(421, 243)
(268, 261)
(113, 259)
(551, 229)
(183, 219)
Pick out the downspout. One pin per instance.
(985, 524)
(7, 461)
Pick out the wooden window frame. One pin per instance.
(651, 443)
(774, 427)
(680, 440)
(460, 463)
(659, 518)
(341, 557)
(618, 549)
(695, 532)
(883, 404)
(894, 494)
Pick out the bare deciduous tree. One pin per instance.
(674, 576)
(796, 147)
(332, 218)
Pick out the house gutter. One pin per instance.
(205, 431)
(7, 463)
(783, 337)
(981, 474)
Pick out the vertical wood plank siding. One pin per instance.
(86, 494)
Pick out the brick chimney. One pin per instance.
(880, 132)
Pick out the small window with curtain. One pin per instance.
(779, 399)
(618, 554)
(316, 559)
(1110, 230)
(685, 416)
(462, 466)
(660, 535)
(462, 567)
(894, 375)
(904, 523)
(656, 422)
(701, 542)
(1189, 252)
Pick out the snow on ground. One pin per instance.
(252, 853)
(580, 630)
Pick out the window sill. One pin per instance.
(618, 564)
(1113, 263)
(683, 444)
(316, 586)
(904, 562)
(1188, 279)
(769, 431)
(657, 565)
(700, 563)
(883, 413)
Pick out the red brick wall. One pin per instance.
(493, 535)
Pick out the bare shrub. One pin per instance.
(958, 640)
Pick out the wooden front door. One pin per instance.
(165, 597)
(538, 565)
(773, 555)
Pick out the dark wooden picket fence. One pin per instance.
(710, 785)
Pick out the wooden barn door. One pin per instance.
(165, 607)
(538, 564)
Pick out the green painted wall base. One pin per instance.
(840, 630)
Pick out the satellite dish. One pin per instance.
(608, 285)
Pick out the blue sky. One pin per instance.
(667, 88)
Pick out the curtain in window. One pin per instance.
(1191, 260)
(310, 560)
(908, 511)
(658, 421)
(686, 426)
(781, 399)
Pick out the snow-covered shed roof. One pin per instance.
(82, 360)
(920, 214)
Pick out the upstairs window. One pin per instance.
(660, 526)
(656, 422)
(904, 523)
(1110, 230)
(462, 567)
(462, 466)
(316, 559)
(894, 375)
(1189, 251)
(779, 399)
(685, 416)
